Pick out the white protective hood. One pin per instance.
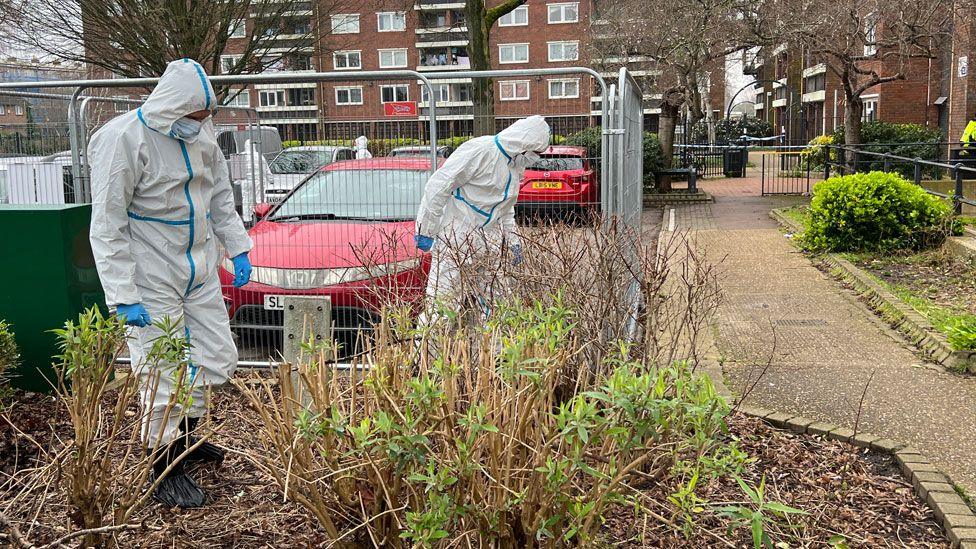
(183, 89)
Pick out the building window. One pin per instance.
(392, 59)
(273, 64)
(302, 63)
(271, 98)
(121, 106)
(870, 113)
(781, 93)
(513, 53)
(19, 110)
(238, 98)
(3, 110)
(515, 90)
(347, 60)
(441, 91)
(304, 97)
(399, 92)
(345, 23)
(391, 21)
(228, 62)
(349, 95)
(519, 17)
(238, 29)
(563, 51)
(563, 89)
(563, 13)
(870, 34)
(815, 83)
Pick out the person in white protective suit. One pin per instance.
(361, 150)
(162, 210)
(470, 202)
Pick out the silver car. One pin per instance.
(294, 164)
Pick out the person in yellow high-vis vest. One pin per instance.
(969, 139)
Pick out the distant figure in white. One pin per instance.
(361, 150)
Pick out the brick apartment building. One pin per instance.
(801, 98)
(432, 38)
(962, 76)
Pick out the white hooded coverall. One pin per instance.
(362, 151)
(160, 205)
(470, 200)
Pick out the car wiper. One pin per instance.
(304, 217)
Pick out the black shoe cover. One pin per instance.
(206, 452)
(176, 489)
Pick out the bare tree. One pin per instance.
(686, 39)
(134, 38)
(480, 20)
(865, 43)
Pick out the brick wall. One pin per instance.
(962, 101)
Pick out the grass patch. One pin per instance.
(938, 285)
(799, 214)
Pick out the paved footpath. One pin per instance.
(824, 347)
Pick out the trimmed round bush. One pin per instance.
(875, 211)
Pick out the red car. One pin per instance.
(346, 232)
(564, 179)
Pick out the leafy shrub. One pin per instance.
(590, 139)
(961, 334)
(9, 353)
(875, 212)
(905, 140)
(729, 130)
(814, 156)
(486, 448)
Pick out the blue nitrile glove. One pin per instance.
(517, 255)
(424, 243)
(134, 315)
(242, 270)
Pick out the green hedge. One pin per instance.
(728, 130)
(875, 212)
(905, 140)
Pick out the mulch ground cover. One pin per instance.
(852, 498)
(941, 278)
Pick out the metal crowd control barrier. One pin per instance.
(326, 219)
(80, 190)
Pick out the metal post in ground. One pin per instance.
(692, 180)
(957, 198)
(887, 162)
(827, 162)
(918, 171)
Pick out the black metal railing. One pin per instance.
(844, 160)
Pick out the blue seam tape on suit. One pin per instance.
(189, 200)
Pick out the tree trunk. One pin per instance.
(852, 127)
(482, 89)
(694, 99)
(671, 102)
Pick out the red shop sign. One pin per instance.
(400, 108)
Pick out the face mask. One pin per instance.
(527, 159)
(187, 128)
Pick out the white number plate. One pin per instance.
(274, 303)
